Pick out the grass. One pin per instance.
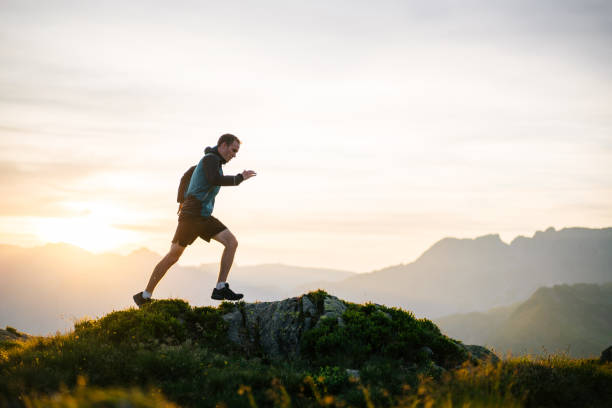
(171, 353)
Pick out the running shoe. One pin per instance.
(225, 294)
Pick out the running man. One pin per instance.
(196, 220)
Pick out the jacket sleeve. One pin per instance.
(211, 170)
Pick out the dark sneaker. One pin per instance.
(139, 300)
(225, 294)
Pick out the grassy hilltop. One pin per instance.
(170, 353)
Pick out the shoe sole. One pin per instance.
(139, 304)
(224, 298)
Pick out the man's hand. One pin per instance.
(247, 174)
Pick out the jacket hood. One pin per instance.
(215, 150)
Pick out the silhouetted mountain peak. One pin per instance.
(493, 239)
(452, 246)
(551, 234)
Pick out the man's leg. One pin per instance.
(230, 243)
(162, 267)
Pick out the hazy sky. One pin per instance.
(376, 128)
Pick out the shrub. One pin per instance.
(162, 321)
(370, 330)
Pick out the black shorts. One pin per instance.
(189, 228)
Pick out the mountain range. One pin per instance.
(44, 289)
(465, 275)
(572, 319)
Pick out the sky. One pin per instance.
(376, 128)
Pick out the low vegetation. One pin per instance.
(172, 354)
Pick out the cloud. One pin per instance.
(41, 188)
(45, 173)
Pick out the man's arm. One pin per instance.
(211, 170)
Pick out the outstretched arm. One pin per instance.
(211, 170)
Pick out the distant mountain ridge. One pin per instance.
(44, 288)
(564, 318)
(465, 275)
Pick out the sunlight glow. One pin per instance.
(91, 231)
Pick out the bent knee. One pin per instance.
(231, 242)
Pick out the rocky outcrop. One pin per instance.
(276, 328)
(480, 353)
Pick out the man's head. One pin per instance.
(228, 145)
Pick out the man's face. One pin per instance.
(228, 152)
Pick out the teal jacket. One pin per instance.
(205, 184)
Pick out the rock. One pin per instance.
(379, 310)
(606, 355)
(277, 325)
(353, 373)
(427, 352)
(307, 323)
(333, 308)
(12, 334)
(308, 308)
(481, 354)
(276, 328)
(272, 327)
(235, 323)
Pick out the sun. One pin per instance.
(93, 231)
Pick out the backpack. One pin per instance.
(184, 185)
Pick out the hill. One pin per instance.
(467, 275)
(182, 347)
(563, 318)
(309, 351)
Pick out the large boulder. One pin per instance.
(273, 327)
(276, 328)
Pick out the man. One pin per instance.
(196, 220)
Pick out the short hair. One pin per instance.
(228, 139)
